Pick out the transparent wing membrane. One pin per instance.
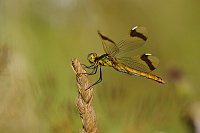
(108, 45)
(136, 38)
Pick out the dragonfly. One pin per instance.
(115, 56)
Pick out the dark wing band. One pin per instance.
(108, 45)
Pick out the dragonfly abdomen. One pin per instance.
(131, 71)
(128, 72)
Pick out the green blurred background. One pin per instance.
(38, 87)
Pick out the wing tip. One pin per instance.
(134, 28)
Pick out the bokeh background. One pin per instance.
(38, 39)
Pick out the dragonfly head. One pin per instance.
(91, 57)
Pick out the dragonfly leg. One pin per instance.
(89, 67)
(99, 80)
(94, 71)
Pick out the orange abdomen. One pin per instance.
(125, 69)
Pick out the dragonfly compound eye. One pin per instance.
(91, 57)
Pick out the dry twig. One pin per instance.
(84, 100)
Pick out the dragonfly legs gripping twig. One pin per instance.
(94, 71)
(99, 80)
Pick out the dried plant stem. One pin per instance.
(84, 100)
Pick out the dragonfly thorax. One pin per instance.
(91, 57)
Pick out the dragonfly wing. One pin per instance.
(136, 38)
(109, 45)
(144, 62)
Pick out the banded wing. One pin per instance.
(144, 62)
(109, 45)
(136, 38)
